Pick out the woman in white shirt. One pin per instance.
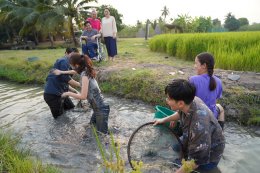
(109, 32)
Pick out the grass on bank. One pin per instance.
(13, 159)
(14, 64)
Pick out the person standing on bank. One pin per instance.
(208, 86)
(56, 85)
(109, 31)
(89, 90)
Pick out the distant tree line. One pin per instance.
(37, 19)
(187, 24)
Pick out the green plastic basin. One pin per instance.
(162, 112)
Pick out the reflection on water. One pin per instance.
(69, 144)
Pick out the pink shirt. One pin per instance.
(95, 23)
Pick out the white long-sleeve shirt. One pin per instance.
(108, 28)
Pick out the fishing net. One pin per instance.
(156, 146)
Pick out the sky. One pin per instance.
(133, 10)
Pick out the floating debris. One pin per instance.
(172, 73)
(32, 59)
(233, 77)
(181, 72)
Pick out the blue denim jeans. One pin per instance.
(100, 118)
(89, 49)
(208, 167)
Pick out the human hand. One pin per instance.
(93, 37)
(114, 35)
(158, 121)
(172, 124)
(83, 37)
(65, 94)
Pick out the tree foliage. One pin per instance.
(202, 24)
(253, 27)
(184, 21)
(165, 12)
(231, 23)
(243, 21)
(46, 16)
(216, 22)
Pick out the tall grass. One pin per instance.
(232, 51)
(13, 160)
(113, 162)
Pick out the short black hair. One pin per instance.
(74, 49)
(180, 89)
(69, 50)
(86, 22)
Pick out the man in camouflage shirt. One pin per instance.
(203, 139)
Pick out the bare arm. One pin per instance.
(60, 72)
(95, 36)
(173, 117)
(72, 89)
(74, 83)
(83, 93)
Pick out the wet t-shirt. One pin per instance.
(203, 138)
(58, 84)
(95, 98)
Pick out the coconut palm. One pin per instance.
(47, 16)
(165, 12)
(8, 21)
(33, 15)
(73, 10)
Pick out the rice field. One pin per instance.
(232, 50)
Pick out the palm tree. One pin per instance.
(47, 16)
(73, 10)
(8, 19)
(33, 15)
(165, 12)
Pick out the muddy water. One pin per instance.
(69, 144)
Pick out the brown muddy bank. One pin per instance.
(241, 97)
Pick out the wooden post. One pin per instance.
(147, 30)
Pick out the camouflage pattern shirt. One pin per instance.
(203, 138)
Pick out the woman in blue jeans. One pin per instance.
(89, 90)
